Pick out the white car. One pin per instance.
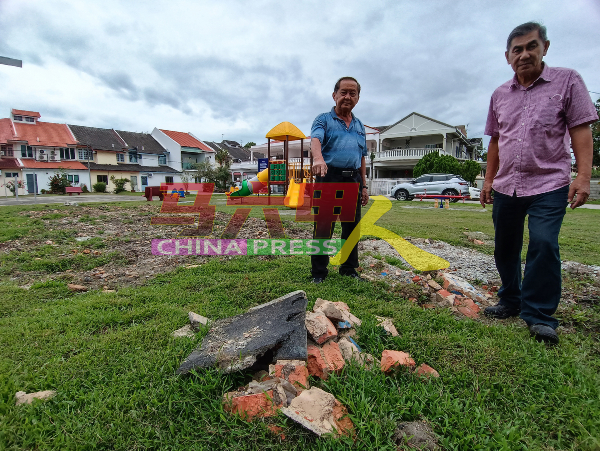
(474, 193)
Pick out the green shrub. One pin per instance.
(58, 182)
(84, 188)
(99, 187)
(119, 184)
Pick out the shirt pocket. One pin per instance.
(361, 141)
(548, 111)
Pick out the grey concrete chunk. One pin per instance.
(197, 320)
(273, 331)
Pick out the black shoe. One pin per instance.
(318, 279)
(545, 333)
(499, 311)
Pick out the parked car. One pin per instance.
(475, 193)
(445, 184)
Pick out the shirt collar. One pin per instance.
(545, 75)
(335, 116)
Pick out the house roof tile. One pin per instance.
(27, 163)
(9, 163)
(131, 168)
(48, 133)
(6, 131)
(26, 113)
(139, 140)
(97, 138)
(186, 140)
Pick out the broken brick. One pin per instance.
(251, 406)
(433, 284)
(387, 325)
(277, 430)
(468, 312)
(445, 297)
(336, 311)
(426, 371)
(333, 356)
(293, 371)
(324, 360)
(391, 360)
(416, 279)
(319, 327)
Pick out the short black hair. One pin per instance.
(336, 88)
(524, 29)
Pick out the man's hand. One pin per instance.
(485, 197)
(580, 190)
(365, 196)
(319, 167)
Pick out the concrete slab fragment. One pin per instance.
(273, 331)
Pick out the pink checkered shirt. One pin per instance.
(532, 124)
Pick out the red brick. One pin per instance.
(251, 406)
(470, 305)
(277, 430)
(495, 288)
(316, 364)
(416, 279)
(426, 371)
(484, 287)
(445, 297)
(333, 356)
(293, 371)
(391, 360)
(319, 327)
(468, 312)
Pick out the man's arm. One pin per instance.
(582, 144)
(319, 166)
(363, 174)
(493, 162)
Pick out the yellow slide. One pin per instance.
(295, 194)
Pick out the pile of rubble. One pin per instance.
(282, 345)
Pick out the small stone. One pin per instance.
(433, 284)
(109, 291)
(185, 331)
(387, 325)
(47, 242)
(391, 360)
(197, 320)
(417, 435)
(25, 398)
(348, 349)
(479, 242)
(87, 251)
(75, 287)
(426, 371)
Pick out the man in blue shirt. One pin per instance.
(339, 148)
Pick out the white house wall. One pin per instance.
(174, 157)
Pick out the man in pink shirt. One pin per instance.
(531, 120)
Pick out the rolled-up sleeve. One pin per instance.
(318, 128)
(491, 126)
(579, 108)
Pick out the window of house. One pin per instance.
(11, 174)
(29, 119)
(430, 146)
(84, 154)
(162, 159)
(120, 158)
(133, 158)
(144, 180)
(73, 178)
(7, 150)
(169, 179)
(102, 179)
(18, 118)
(26, 151)
(67, 154)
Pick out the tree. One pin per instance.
(446, 164)
(220, 176)
(58, 182)
(250, 144)
(596, 137)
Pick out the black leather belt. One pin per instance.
(344, 172)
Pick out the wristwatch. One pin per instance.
(365, 187)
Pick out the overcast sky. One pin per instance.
(238, 68)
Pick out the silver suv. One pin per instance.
(445, 184)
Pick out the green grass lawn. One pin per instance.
(112, 360)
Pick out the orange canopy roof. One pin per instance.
(285, 131)
(6, 131)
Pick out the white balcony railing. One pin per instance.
(408, 154)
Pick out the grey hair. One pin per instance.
(524, 29)
(336, 88)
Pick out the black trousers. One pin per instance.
(319, 262)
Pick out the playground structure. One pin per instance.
(292, 174)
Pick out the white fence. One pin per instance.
(395, 154)
(383, 187)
